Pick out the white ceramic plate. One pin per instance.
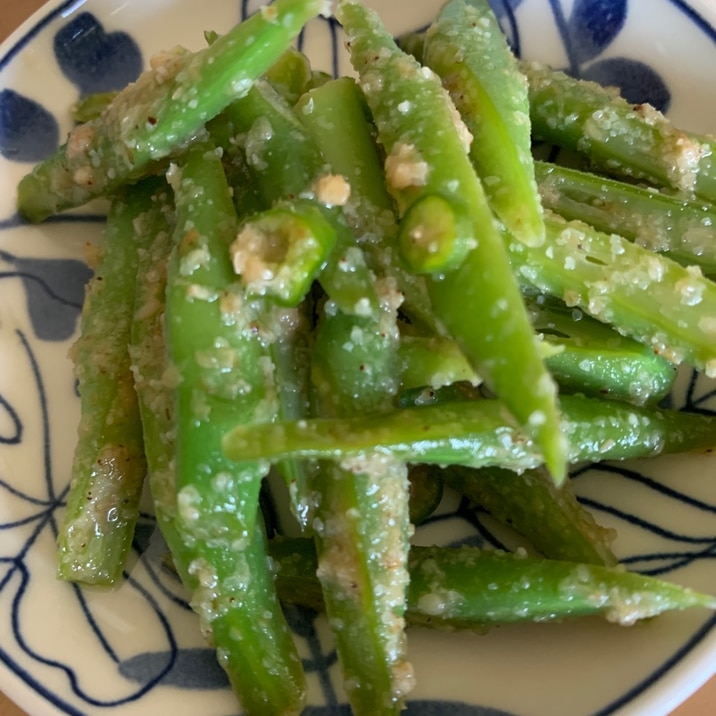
(136, 650)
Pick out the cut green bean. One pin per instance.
(479, 303)
(426, 491)
(216, 341)
(287, 164)
(290, 75)
(632, 140)
(91, 106)
(477, 434)
(590, 357)
(424, 140)
(642, 294)
(279, 252)
(361, 519)
(434, 236)
(291, 358)
(583, 355)
(289, 351)
(337, 117)
(109, 466)
(161, 112)
(467, 49)
(147, 350)
(433, 362)
(245, 607)
(550, 518)
(681, 229)
(467, 588)
(210, 333)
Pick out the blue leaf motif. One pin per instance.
(28, 132)
(55, 291)
(638, 82)
(94, 60)
(192, 669)
(10, 425)
(593, 24)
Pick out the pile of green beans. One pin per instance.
(369, 290)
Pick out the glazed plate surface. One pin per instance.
(137, 650)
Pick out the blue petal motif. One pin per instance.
(593, 24)
(94, 60)
(55, 291)
(192, 669)
(28, 132)
(638, 82)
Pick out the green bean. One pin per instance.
(426, 492)
(467, 49)
(590, 357)
(108, 467)
(413, 43)
(279, 252)
(290, 75)
(147, 350)
(543, 588)
(642, 294)
(361, 519)
(425, 143)
(550, 518)
(479, 303)
(432, 362)
(91, 106)
(287, 164)
(159, 113)
(216, 343)
(477, 434)
(632, 140)
(211, 329)
(243, 607)
(582, 354)
(289, 351)
(681, 229)
(290, 354)
(471, 589)
(336, 116)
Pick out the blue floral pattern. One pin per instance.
(28, 132)
(94, 59)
